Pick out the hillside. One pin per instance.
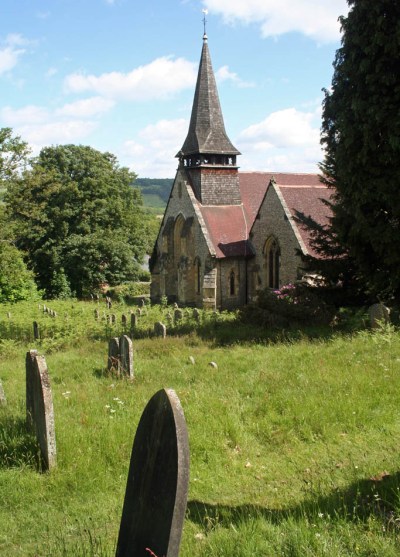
(155, 192)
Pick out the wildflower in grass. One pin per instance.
(66, 394)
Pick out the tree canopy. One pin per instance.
(361, 135)
(77, 219)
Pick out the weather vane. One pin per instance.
(205, 12)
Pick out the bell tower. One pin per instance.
(207, 154)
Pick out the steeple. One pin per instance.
(207, 133)
(207, 152)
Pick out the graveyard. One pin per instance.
(293, 434)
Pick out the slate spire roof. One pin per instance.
(206, 129)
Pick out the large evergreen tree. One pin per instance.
(78, 219)
(361, 135)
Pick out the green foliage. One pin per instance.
(159, 187)
(360, 132)
(13, 154)
(78, 220)
(16, 281)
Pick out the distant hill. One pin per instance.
(155, 192)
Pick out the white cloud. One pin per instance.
(317, 19)
(55, 132)
(86, 108)
(287, 140)
(11, 51)
(224, 74)
(27, 115)
(161, 78)
(152, 154)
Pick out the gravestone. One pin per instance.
(157, 487)
(142, 303)
(113, 318)
(133, 321)
(126, 356)
(139, 312)
(178, 314)
(96, 314)
(123, 320)
(3, 400)
(379, 315)
(113, 361)
(39, 407)
(196, 314)
(36, 334)
(160, 330)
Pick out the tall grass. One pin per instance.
(293, 437)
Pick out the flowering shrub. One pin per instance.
(290, 305)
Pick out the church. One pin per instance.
(225, 234)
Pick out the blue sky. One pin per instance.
(119, 75)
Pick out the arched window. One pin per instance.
(179, 247)
(232, 283)
(272, 254)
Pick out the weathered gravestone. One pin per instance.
(379, 315)
(160, 330)
(36, 334)
(158, 479)
(196, 314)
(3, 400)
(123, 320)
(113, 362)
(126, 356)
(178, 315)
(113, 318)
(133, 321)
(39, 407)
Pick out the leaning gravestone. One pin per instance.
(379, 315)
(158, 479)
(160, 330)
(113, 361)
(3, 400)
(39, 406)
(126, 356)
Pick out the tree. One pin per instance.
(361, 135)
(13, 154)
(78, 220)
(16, 282)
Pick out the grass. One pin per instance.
(293, 437)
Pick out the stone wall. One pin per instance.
(273, 220)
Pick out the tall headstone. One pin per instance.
(113, 361)
(113, 318)
(126, 356)
(379, 315)
(123, 320)
(39, 407)
(3, 400)
(133, 321)
(158, 479)
(160, 330)
(36, 334)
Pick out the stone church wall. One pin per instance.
(272, 220)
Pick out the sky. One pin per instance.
(119, 75)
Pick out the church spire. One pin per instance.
(207, 133)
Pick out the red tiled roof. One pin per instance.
(228, 230)
(309, 200)
(229, 225)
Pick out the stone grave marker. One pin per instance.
(178, 315)
(142, 303)
(157, 487)
(39, 406)
(123, 320)
(113, 318)
(36, 334)
(96, 314)
(196, 314)
(379, 315)
(139, 312)
(113, 362)
(3, 400)
(160, 330)
(133, 321)
(126, 356)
